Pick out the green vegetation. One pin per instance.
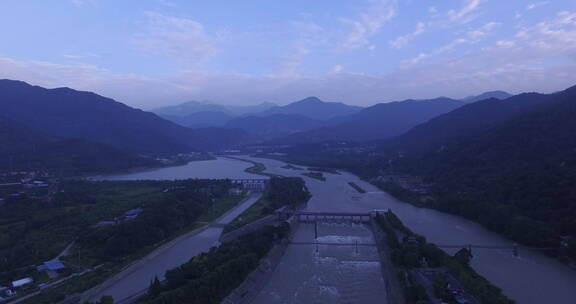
(289, 166)
(315, 175)
(210, 277)
(515, 176)
(257, 168)
(74, 286)
(172, 213)
(324, 170)
(34, 230)
(356, 187)
(281, 192)
(400, 193)
(414, 252)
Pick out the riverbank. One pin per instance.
(431, 274)
(160, 165)
(257, 167)
(87, 254)
(531, 278)
(138, 276)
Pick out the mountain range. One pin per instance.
(23, 149)
(312, 120)
(487, 95)
(67, 113)
(468, 119)
(380, 121)
(510, 165)
(61, 114)
(191, 107)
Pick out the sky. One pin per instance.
(152, 53)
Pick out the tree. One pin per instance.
(155, 287)
(106, 300)
(463, 256)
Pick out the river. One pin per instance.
(217, 168)
(531, 278)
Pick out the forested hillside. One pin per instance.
(67, 113)
(517, 177)
(24, 149)
(377, 122)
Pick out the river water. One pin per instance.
(219, 168)
(136, 279)
(531, 278)
(327, 273)
(340, 275)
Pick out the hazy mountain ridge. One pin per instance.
(67, 113)
(23, 149)
(194, 107)
(468, 118)
(314, 108)
(487, 95)
(274, 125)
(516, 174)
(376, 122)
(204, 119)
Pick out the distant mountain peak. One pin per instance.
(311, 99)
(487, 95)
(315, 108)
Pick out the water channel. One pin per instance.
(342, 275)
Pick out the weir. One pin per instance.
(338, 217)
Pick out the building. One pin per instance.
(132, 214)
(258, 185)
(51, 268)
(54, 265)
(22, 282)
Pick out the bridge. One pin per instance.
(514, 247)
(339, 217)
(255, 184)
(334, 244)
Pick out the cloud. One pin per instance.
(132, 89)
(402, 41)
(81, 55)
(470, 37)
(167, 3)
(466, 13)
(310, 36)
(483, 31)
(532, 6)
(540, 57)
(505, 43)
(81, 3)
(414, 61)
(368, 23)
(176, 37)
(337, 69)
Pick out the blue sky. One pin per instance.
(149, 53)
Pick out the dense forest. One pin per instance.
(517, 178)
(281, 192)
(211, 276)
(24, 149)
(510, 165)
(33, 230)
(411, 251)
